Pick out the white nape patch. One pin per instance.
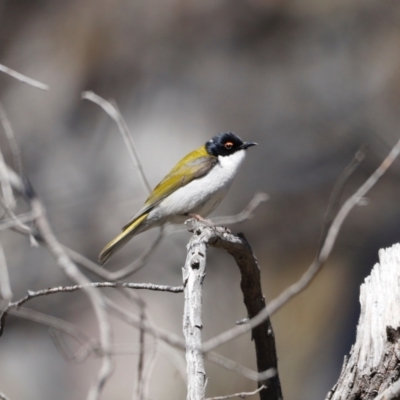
(200, 196)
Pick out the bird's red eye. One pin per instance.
(228, 145)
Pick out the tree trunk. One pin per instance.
(373, 364)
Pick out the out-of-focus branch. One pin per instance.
(245, 214)
(176, 341)
(8, 195)
(69, 289)
(242, 395)
(57, 324)
(73, 272)
(315, 267)
(15, 150)
(47, 237)
(240, 369)
(115, 114)
(122, 273)
(337, 192)
(23, 78)
(5, 286)
(3, 397)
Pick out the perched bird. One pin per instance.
(194, 187)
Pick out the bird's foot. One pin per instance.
(198, 217)
(193, 226)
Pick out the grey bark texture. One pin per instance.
(373, 364)
(262, 335)
(193, 274)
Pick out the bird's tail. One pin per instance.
(121, 240)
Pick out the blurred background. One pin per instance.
(310, 81)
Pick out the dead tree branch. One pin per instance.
(263, 335)
(115, 114)
(46, 236)
(23, 78)
(194, 272)
(242, 395)
(374, 362)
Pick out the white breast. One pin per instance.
(200, 196)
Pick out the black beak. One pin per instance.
(245, 145)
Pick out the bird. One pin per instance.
(193, 188)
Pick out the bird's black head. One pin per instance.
(226, 144)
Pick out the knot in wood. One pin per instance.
(195, 263)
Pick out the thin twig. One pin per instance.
(55, 323)
(5, 286)
(147, 372)
(71, 270)
(240, 369)
(114, 113)
(315, 267)
(17, 220)
(139, 262)
(14, 147)
(337, 191)
(176, 341)
(91, 347)
(242, 395)
(69, 289)
(130, 269)
(134, 320)
(23, 78)
(140, 390)
(8, 195)
(245, 214)
(3, 396)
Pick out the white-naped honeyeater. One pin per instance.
(194, 187)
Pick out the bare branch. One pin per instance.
(139, 262)
(315, 267)
(5, 286)
(245, 214)
(3, 396)
(74, 288)
(8, 195)
(23, 78)
(263, 335)
(55, 323)
(177, 342)
(242, 395)
(130, 269)
(72, 271)
(48, 238)
(114, 113)
(91, 347)
(194, 272)
(373, 364)
(134, 320)
(337, 192)
(240, 369)
(14, 147)
(17, 221)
